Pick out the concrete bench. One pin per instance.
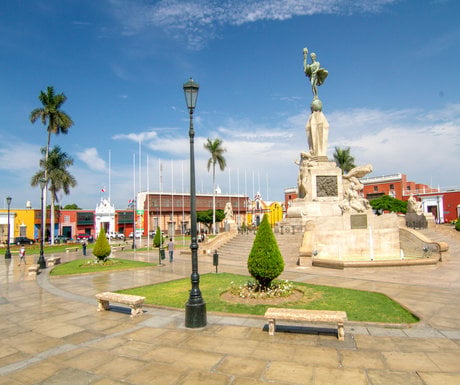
(301, 315)
(135, 302)
(73, 248)
(53, 261)
(118, 248)
(33, 270)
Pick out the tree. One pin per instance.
(343, 159)
(54, 171)
(72, 206)
(206, 217)
(58, 122)
(158, 238)
(388, 203)
(102, 248)
(216, 150)
(265, 262)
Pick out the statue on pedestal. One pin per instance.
(314, 72)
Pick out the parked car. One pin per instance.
(61, 239)
(114, 235)
(138, 234)
(80, 237)
(23, 241)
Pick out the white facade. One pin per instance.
(105, 217)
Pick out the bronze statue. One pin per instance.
(315, 73)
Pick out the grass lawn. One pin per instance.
(360, 305)
(80, 266)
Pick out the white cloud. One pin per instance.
(92, 159)
(199, 21)
(20, 157)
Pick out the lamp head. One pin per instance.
(191, 93)
(8, 200)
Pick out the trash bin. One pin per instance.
(162, 254)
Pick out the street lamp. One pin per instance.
(8, 251)
(195, 308)
(41, 258)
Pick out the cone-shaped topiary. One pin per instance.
(157, 239)
(102, 248)
(265, 262)
(457, 225)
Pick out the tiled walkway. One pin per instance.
(51, 332)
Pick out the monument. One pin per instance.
(337, 221)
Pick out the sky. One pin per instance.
(392, 94)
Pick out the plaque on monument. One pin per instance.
(358, 221)
(326, 186)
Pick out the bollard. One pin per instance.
(215, 259)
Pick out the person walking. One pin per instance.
(83, 247)
(171, 250)
(22, 256)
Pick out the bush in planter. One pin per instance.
(101, 248)
(265, 262)
(158, 239)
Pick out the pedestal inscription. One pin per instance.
(358, 221)
(326, 186)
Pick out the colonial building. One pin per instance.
(443, 203)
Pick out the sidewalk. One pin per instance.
(52, 333)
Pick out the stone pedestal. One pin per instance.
(317, 133)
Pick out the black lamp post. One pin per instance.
(195, 308)
(8, 251)
(41, 258)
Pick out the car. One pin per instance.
(80, 237)
(115, 235)
(23, 241)
(61, 239)
(138, 234)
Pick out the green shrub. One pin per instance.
(457, 225)
(265, 262)
(158, 238)
(102, 248)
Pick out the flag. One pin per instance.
(130, 203)
(103, 189)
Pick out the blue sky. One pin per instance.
(392, 94)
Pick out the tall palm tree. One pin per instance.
(58, 122)
(54, 170)
(216, 150)
(343, 159)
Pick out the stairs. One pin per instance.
(238, 248)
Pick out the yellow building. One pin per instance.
(22, 223)
(258, 208)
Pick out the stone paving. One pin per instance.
(52, 334)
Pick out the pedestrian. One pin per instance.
(83, 247)
(171, 250)
(22, 256)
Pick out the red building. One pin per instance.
(444, 204)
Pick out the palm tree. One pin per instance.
(55, 172)
(58, 121)
(216, 150)
(343, 159)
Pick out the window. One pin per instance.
(392, 186)
(376, 188)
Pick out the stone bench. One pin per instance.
(301, 315)
(118, 248)
(135, 302)
(33, 270)
(73, 248)
(53, 261)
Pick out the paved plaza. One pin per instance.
(51, 332)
